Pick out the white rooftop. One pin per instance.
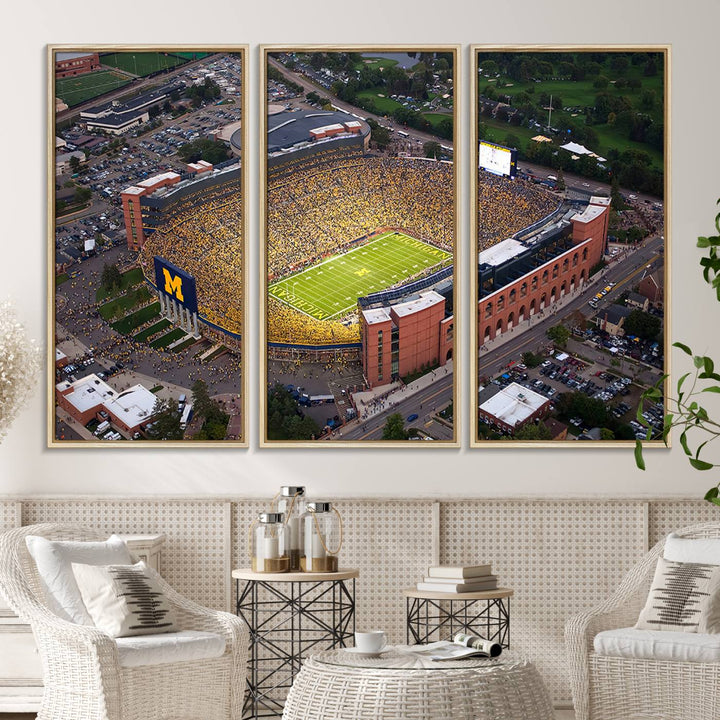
(600, 200)
(589, 213)
(158, 178)
(513, 404)
(133, 406)
(376, 315)
(87, 393)
(327, 128)
(501, 252)
(426, 300)
(59, 354)
(352, 124)
(133, 190)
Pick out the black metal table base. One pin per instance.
(431, 620)
(288, 620)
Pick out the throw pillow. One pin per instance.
(692, 550)
(684, 597)
(124, 600)
(53, 559)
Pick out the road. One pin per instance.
(423, 403)
(624, 272)
(309, 86)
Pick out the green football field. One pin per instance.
(142, 63)
(332, 288)
(74, 90)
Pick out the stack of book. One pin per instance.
(458, 579)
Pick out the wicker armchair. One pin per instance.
(614, 688)
(82, 674)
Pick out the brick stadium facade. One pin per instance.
(402, 338)
(561, 265)
(72, 64)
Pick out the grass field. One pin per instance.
(331, 289)
(130, 322)
(143, 335)
(129, 279)
(142, 63)
(76, 90)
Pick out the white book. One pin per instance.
(457, 587)
(456, 581)
(461, 572)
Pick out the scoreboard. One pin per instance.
(498, 159)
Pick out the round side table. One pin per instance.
(484, 613)
(340, 685)
(290, 615)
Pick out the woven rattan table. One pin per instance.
(339, 685)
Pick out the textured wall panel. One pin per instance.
(193, 555)
(8, 518)
(390, 543)
(559, 557)
(669, 515)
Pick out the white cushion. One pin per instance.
(54, 558)
(124, 600)
(169, 648)
(658, 645)
(692, 550)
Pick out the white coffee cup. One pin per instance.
(372, 641)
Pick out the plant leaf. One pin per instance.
(701, 464)
(712, 493)
(639, 461)
(684, 443)
(683, 347)
(698, 361)
(712, 389)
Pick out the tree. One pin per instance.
(642, 324)
(378, 134)
(559, 334)
(204, 149)
(165, 421)
(533, 432)
(394, 428)
(531, 359)
(75, 163)
(616, 199)
(432, 149)
(560, 184)
(82, 195)
(202, 402)
(110, 277)
(284, 419)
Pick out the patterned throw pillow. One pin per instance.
(684, 597)
(124, 600)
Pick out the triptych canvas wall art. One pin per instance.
(360, 245)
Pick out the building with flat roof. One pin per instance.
(70, 64)
(291, 131)
(400, 338)
(513, 407)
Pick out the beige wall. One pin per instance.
(26, 467)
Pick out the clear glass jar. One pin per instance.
(291, 503)
(322, 538)
(269, 547)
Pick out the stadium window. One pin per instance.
(585, 254)
(523, 290)
(501, 302)
(513, 297)
(534, 284)
(488, 310)
(556, 269)
(575, 259)
(544, 277)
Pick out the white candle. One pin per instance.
(271, 548)
(318, 551)
(294, 526)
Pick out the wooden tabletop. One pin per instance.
(248, 574)
(481, 595)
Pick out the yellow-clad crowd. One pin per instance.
(203, 235)
(320, 208)
(506, 207)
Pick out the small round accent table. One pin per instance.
(339, 685)
(290, 615)
(485, 613)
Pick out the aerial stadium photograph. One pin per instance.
(359, 232)
(570, 195)
(147, 274)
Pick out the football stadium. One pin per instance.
(343, 225)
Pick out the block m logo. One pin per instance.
(173, 285)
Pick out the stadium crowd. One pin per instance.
(331, 200)
(203, 236)
(507, 206)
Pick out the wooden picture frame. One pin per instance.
(330, 191)
(147, 250)
(539, 239)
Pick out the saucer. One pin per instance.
(360, 653)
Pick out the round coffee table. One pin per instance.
(341, 685)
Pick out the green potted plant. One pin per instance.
(685, 410)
